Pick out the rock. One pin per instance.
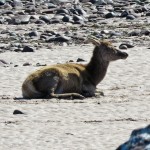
(66, 18)
(125, 13)
(3, 61)
(60, 38)
(54, 20)
(77, 18)
(27, 49)
(131, 17)
(134, 33)
(17, 4)
(16, 65)
(38, 65)
(113, 33)
(33, 33)
(101, 2)
(45, 18)
(104, 32)
(139, 140)
(109, 1)
(148, 14)
(21, 19)
(122, 46)
(145, 32)
(2, 2)
(2, 20)
(126, 45)
(80, 60)
(51, 5)
(62, 11)
(16, 112)
(40, 21)
(110, 15)
(26, 64)
(81, 11)
(17, 49)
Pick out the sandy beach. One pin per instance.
(102, 123)
(56, 35)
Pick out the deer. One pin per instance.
(72, 80)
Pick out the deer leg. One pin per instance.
(67, 96)
(88, 90)
(56, 91)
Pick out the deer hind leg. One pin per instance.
(56, 91)
(67, 96)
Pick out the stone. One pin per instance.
(16, 112)
(17, 4)
(134, 33)
(2, 2)
(60, 38)
(125, 13)
(139, 140)
(33, 33)
(80, 60)
(110, 15)
(122, 46)
(26, 64)
(3, 61)
(62, 11)
(148, 14)
(27, 49)
(21, 19)
(127, 45)
(131, 17)
(45, 18)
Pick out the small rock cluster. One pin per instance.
(84, 14)
(28, 26)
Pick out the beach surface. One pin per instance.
(102, 122)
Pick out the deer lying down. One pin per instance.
(72, 80)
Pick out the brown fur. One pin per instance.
(72, 80)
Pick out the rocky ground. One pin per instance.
(38, 33)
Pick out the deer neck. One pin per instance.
(97, 68)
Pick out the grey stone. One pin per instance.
(16, 112)
(2, 2)
(27, 49)
(131, 17)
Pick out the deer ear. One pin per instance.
(93, 40)
(106, 43)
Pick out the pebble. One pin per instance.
(110, 15)
(33, 33)
(66, 18)
(122, 46)
(3, 61)
(16, 112)
(27, 49)
(131, 17)
(27, 64)
(21, 19)
(134, 33)
(2, 2)
(39, 64)
(45, 18)
(80, 60)
(17, 4)
(59, 38)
